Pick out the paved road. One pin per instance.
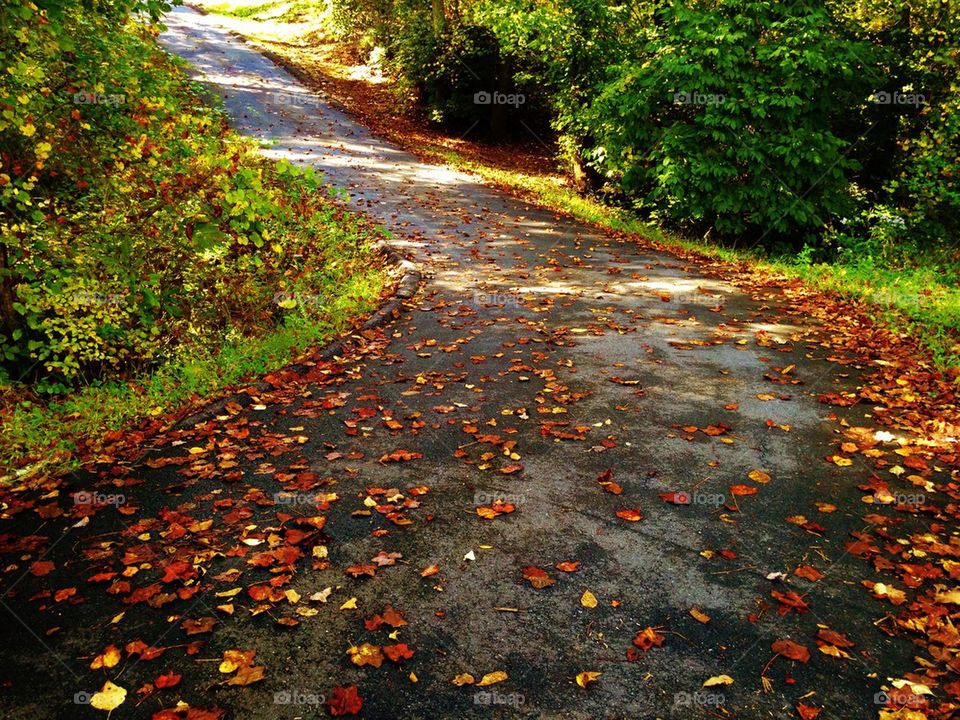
(540, 354)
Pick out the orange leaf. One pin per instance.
(630, 514)
(648, 638)
(538, 577)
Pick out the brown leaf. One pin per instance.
(792, 650)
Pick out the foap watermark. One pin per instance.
(898, 698)
(707, 299)
(893, 297)
(682, 497)
(488, 299)
(699, 698)
(494, 698)
(883, 97)
(297, 697)
(296, 100)
(97, 499)
(909, 499)
(696, 97)
(498, 98)
(82, 698)
(291, 498)
(85, 297)
(482, 497)
(94, 98)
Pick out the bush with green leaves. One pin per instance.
(735, 117)
(132, 221)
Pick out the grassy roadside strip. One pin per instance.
(234, 306)
(919, 296)
(48, 435)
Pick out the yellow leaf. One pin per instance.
(365, 654)
(109, 698)
(350, 604)
(759, 476)
(107, 659)
(834, 651)
(588, 599)
(463, 679)
(699, 616)
(586, 677)
(952, 597)
(718, 680)
(492, 678)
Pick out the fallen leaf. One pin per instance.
(107, 659)
(538, 577)
(492, 678)
(397, 653)
(344, 701)
(700, 616)
(807, 712)
(630, 515)
(759, 476)
(648, 638)
(587, 677)
(365, 654)
(109, 698)
(792, 650)
(167, 680)
(718, 680)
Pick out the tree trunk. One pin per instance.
(439, 17)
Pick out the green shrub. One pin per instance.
(733, 119)
(131, 220)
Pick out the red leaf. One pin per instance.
(398, 653)
(344, 701)
(167, 680)
(41, 568)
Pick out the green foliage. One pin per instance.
(733, 118)
(132, 222)
(777, 139)
(565, 49)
